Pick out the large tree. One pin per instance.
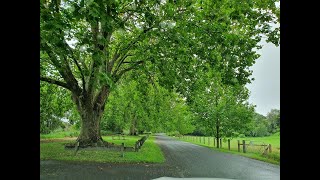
(87, 46)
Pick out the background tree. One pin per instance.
(222, 110)
(273, 118)
(258, 127)
(150, 108)
(54, 103)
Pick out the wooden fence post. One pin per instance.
(238, 145)
(122, 149)
(220, 142)
(136, 147)
(229, 144)
(244, 146)
(200, 139)
(214, 142)
(209, 141)
(270, 150)
(204, 140)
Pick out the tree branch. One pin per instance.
(76, 62)
(129, 62)
(64, 71)
(127, 49)
(95, 31)
(56, 82)
(117, 77)
(137, 39)
(114, 59)
(121, 62)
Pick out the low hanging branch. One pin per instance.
(56, 82)
(64, 69)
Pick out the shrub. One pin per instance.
(74, 134)
(105, 132)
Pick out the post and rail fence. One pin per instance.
(247, 146)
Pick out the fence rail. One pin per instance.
(245, 146)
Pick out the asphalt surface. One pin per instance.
(197, 161)
(183, 160)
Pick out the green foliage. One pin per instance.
(90, 47)
(54, 103)
(273, 118)
(261, 130)
(144, 107)
(222, 110)
(258, 127)
(264, 126)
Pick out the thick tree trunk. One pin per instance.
(90, 129)
(91, 112)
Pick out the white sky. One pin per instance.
(265, 89)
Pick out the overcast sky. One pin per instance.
(265, 89)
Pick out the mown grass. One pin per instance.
(254, 152)
(149, 152)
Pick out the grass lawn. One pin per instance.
(254, 152)
(149, 152)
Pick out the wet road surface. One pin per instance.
(197, 161)
(183, 160)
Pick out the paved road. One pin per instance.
(197, 161)
(92, 171)
(182, 160)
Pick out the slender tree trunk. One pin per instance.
(218, 135)
(133, 126)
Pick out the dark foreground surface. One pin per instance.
(183, 160)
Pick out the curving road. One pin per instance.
(183, 160)
(193, 160)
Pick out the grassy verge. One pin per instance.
(252, 152)
(149, 152)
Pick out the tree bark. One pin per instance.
(90, 129)
(133, 126)
(218, 135)
(91, 111)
